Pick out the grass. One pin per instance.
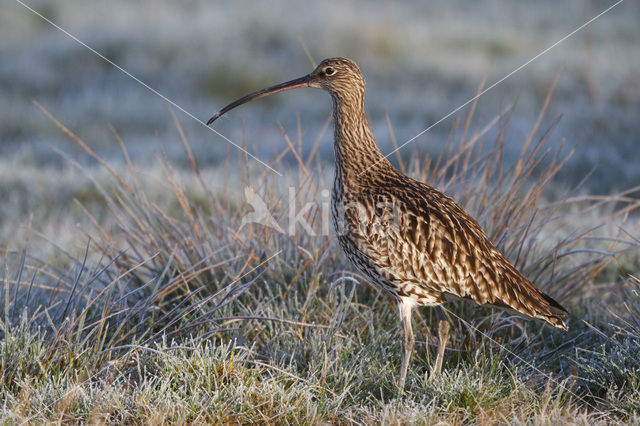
(174, 312)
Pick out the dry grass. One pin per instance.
(176, 313)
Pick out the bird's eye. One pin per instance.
(329, 71)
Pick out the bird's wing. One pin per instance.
(428, 239)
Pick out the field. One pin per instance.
(135, 290)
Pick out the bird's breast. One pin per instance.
(362, 232)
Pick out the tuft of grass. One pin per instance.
(612, 368)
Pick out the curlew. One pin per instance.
(404, 235)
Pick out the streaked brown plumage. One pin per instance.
(406, 236)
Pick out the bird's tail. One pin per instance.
(538, 305)
(519, 294)
(534, 303)
(554, 313)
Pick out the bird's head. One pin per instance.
(341, 77)
(337, 76)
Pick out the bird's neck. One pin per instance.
(357, 154)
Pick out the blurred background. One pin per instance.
(420, 60)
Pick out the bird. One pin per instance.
(404, 235)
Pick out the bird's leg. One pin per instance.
(443, 337)
(405, 309)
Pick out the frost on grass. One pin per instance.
(166, 309)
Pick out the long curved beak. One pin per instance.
(292, 84)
